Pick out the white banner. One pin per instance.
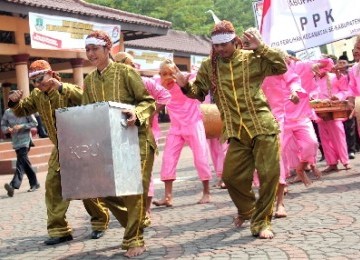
(309, 54)
(300, 24)
(59, 32)
(149, 60)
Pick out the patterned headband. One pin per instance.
(95, 41)
(37, 72)
(222, 38)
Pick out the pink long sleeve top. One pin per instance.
(278, 90)
(354, 79)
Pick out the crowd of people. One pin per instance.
(265, 97)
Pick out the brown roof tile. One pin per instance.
(177, 41)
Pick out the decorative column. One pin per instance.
(6, 86)
(77, 65)
(22, 73)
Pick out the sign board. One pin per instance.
(60, 32)
(298, 24)
(149, 60)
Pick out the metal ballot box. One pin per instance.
(99, 154)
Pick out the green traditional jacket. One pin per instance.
(120, 83)
(46, 104)
(238, 95)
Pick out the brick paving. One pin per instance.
(323, 223)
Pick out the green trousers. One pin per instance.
(130, 211)
(57, 224)
(242, 158)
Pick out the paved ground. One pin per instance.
(323, 223)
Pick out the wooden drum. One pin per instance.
(212, 120)
(330, 110)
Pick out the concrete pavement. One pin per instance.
(323, 223)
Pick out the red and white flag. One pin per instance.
(300, 24)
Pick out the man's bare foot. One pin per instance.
(205, 199)
(135, 251)
(218, 184)
(266, 234)
(280, 211)
(164, 202)
(303, 177)
(223, 186)
(347, 166)
(238, 221)
(331, 168)
(147, 220)
(286, 190)
(297, 179)
(316, 172)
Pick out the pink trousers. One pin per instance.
(333, 141)
(303, 133)
(194, 136)
(217, 153)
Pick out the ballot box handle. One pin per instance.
(123, 122)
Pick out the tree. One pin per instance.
(189, 15)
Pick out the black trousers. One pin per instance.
(316, 128)
(350, 132)
(23, 165)
(41, 128)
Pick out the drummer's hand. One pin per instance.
(16, 95)
(294, 98)
(131, 116)
(180, 78)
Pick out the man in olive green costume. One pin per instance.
(50, 94)
(118, 82)
(233, 76)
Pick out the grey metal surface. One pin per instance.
(99, 156)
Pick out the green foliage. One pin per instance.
(189, 15)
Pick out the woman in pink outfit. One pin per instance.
(186, 126)
(332, 132)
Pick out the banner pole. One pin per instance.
(298, 29)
